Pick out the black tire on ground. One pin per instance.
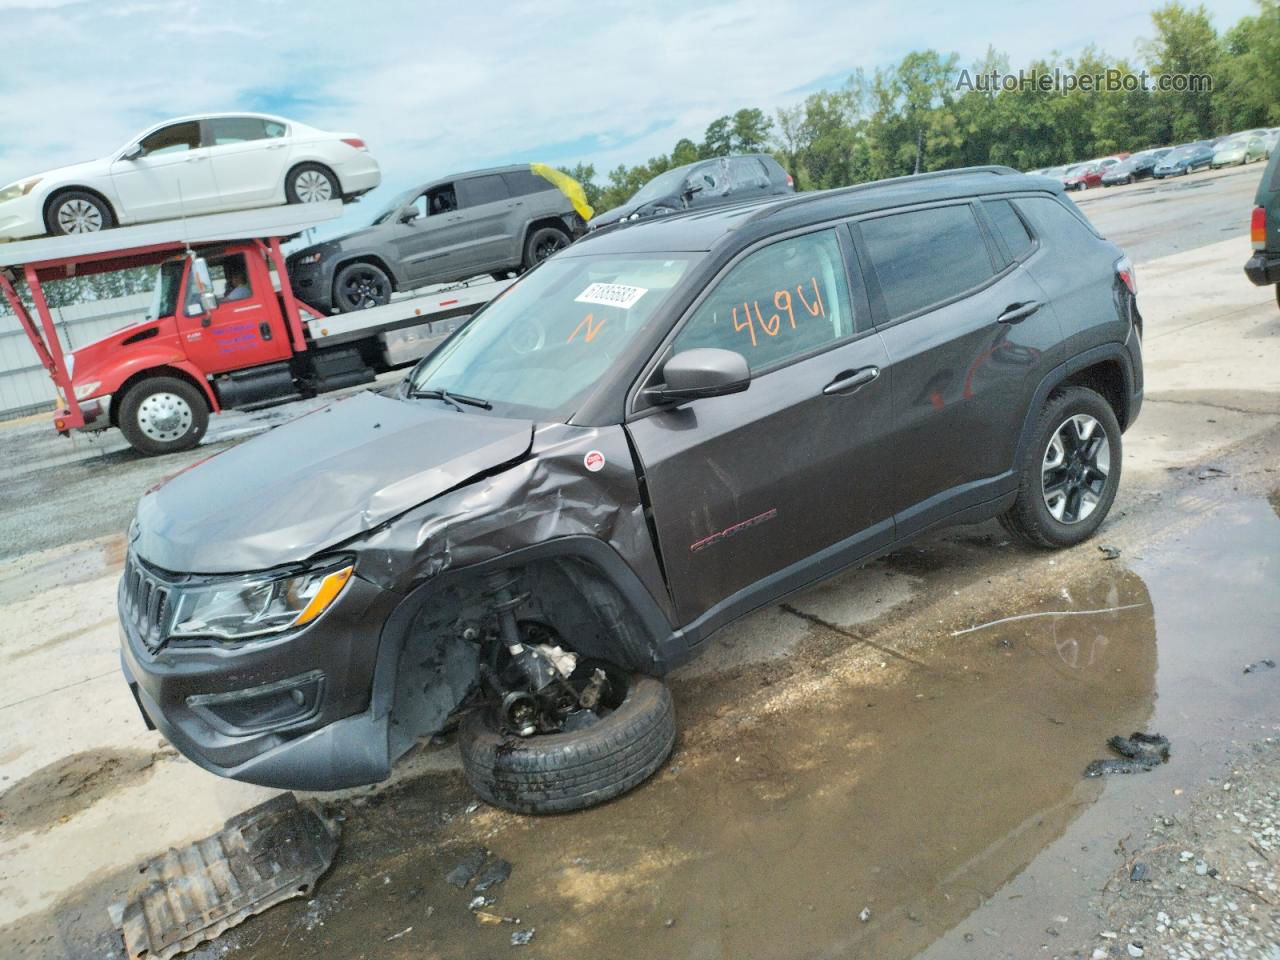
(1031, 518)
(163, 415)
(359, 286)
(542, 243)
(556, 773)
(77, 211)
(311, 183)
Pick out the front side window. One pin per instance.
(441, 199)
(230, 279)
(175, 138)
(787, 299)
(540, 347)
(926, 257)
(227, 130)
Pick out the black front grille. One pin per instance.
(144, 604)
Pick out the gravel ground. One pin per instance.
(1207, 883)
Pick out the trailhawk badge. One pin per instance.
(594, 461)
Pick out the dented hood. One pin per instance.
(318, 481)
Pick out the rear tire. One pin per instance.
(542, 243)
(359, 286)
(556, 773)
(311, 183)
(77, 212)
(1066, 481)
(163, 415)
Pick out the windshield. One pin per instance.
(543, 344)
(663, 185)
(398, 203)
(164, 295)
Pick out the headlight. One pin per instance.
(20, 189)
(255, 606)
(307, 259)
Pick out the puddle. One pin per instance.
(72, 784)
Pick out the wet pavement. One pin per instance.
(905, 805)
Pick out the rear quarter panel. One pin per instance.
(1268, 197)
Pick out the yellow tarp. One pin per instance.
(570, 187)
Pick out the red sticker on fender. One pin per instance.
(594, 461)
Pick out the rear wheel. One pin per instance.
(311, 183)
(542, 243)
(359, 286)
(1070, 472)
(77, 211)
(163, 415)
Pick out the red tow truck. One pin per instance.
(224, 330)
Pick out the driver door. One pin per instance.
(238, 333)
(433, 238)
(171, 176)
(760, 492)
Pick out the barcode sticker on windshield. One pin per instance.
(612, 295)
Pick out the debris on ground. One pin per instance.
(397, 936)
(479, 903)
(1211, 473)
(865, 915)
(1109, 552)
(1139, 873)
(268, 854)
(520, 937)
(1264, 662)
(493, 919)
(495, 872)
(1140, 752)
(466, 869)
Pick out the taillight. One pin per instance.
(1124, 270)
(354, 142)
(790, 183)
(1258, 228)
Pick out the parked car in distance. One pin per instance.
(494, 221)
(1263, 267)
(1241, 149)
(509, 534)
(703, 184)
(1184, 159)
(1135, 167)
(1082, 176)
(191, 166)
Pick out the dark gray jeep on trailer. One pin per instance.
(651, 434)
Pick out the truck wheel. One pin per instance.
(542, 243)
(1070, 472)
(555, 773)
(76, 211)
(311, 183)
(163, 415)
(360, 285)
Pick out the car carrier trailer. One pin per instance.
(225, 329)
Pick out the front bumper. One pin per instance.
(291, 712)
(313, 283)
(22, 218)
(1262, 269)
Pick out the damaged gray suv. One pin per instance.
(653, 433)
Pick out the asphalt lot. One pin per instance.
(860, 751)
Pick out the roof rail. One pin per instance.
(809, 196)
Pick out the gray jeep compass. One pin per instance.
(653, 433)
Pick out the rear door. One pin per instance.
(760, 492)
(250, 156)
(969, 334)
(748, 179)
(494, 217)
(170, 178)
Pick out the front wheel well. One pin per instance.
(148, 374)
(74, 188)
(1106, 377)
(370, 258)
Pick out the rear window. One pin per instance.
(225, 130)
(1010, 228)
(1051, 218)
(524, 182)
(925, 257)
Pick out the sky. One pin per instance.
(439, 88)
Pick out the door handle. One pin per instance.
(847, 381)
(1017, 312)
(276, 146)
(454, 219)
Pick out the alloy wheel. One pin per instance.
(364, 288)
(164, 417)
(1075, 468)
(547, 246)
(79, 216)
(312, 186)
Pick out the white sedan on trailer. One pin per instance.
(188, 167)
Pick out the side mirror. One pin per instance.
(702, 372)
(409, 215)
(204, 286)
(133, 153)
(691, 187)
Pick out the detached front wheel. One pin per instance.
(559, 772)
(163, 415)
